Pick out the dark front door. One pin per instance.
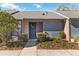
(32, 30)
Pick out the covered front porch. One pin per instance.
(51, 26)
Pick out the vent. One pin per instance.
(44, 13)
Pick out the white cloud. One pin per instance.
(10, 6)
(37, 5)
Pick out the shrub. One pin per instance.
(51, 39)
(2, 44)
(62, 35)
(12, 44)
(23, 38)
(74, 39)
(57, 40)
(41, 37)
(0, 40)
(15, 44)
(65, 44)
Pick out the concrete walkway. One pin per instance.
(30, 49)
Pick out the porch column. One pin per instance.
(25, 26)
(67, 29)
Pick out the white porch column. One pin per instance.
(67, 29)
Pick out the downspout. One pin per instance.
(66, 27)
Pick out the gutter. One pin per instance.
(61, 14)
(14, 12)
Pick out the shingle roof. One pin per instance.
(70, 14)
(45, 15)
(37, 15)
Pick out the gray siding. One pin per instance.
(53, 27)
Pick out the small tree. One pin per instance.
(62, 7)
(7, 24)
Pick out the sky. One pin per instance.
(34, 6)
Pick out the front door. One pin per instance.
(32, 30)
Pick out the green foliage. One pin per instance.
(62, 35)
(7, 24)
(65, 45)
(74, 39)
(13, 44)
(57, 43)
(51, 39)
(57, 40)
(41, 37)
(23, 38)
(63, 7)
(0, 40)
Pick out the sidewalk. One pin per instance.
(30, 49)
(58, 52)
(10, 52)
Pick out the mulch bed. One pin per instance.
(11, 47)
(57, 45)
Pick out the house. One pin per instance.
(52, 22)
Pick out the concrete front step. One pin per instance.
(32, 40)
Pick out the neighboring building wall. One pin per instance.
(75, 28)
